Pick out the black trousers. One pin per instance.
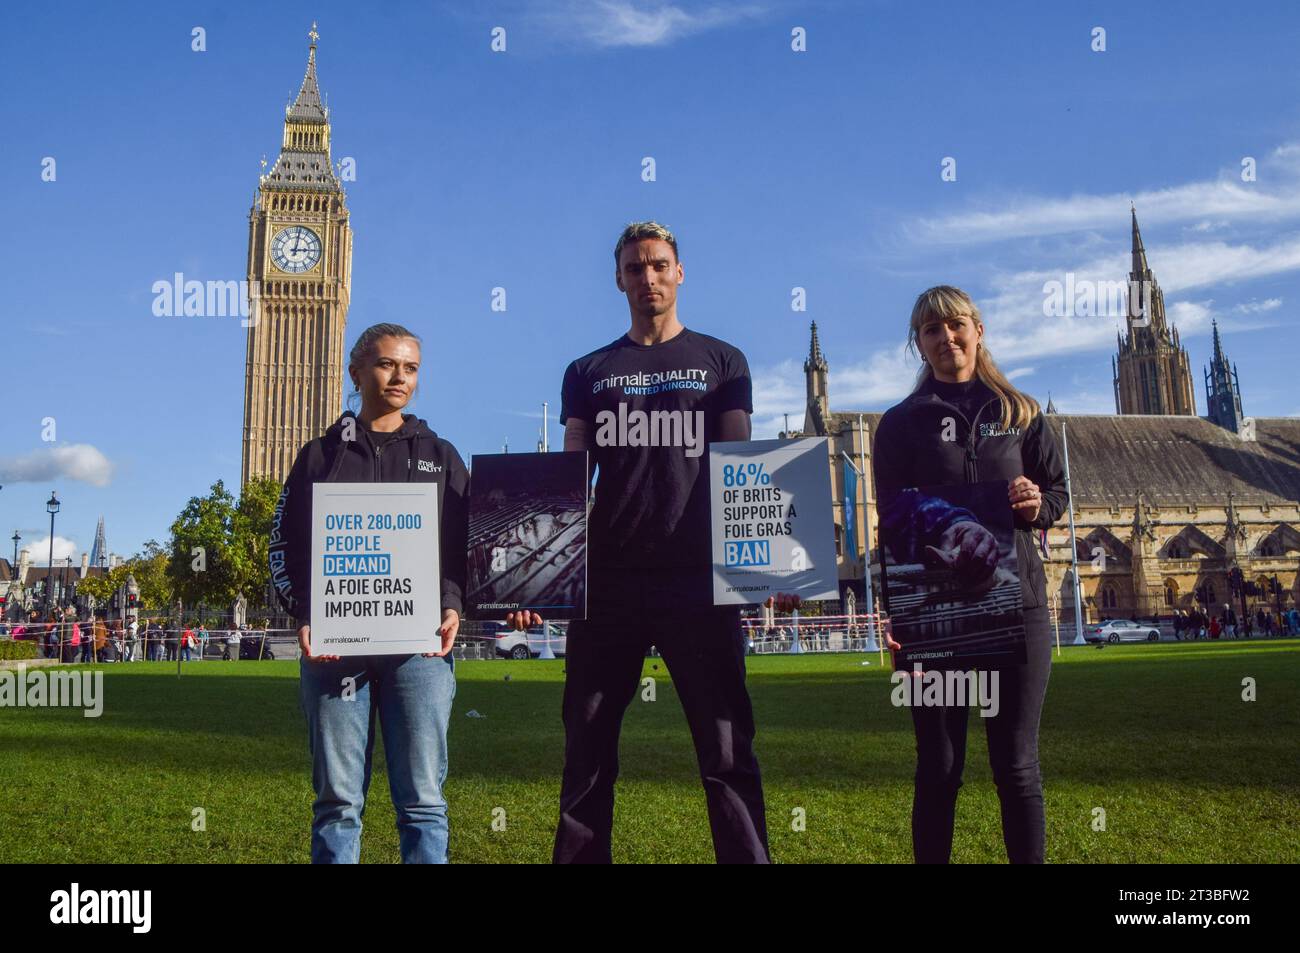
(1013, 756)
(704, 653)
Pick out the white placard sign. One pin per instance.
(773, 527)
(375, 579)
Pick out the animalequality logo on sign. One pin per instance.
(375, 580)
(773, 531)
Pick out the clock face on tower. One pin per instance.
(295, 249)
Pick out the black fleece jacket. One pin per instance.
(415, 453)
(910, 450)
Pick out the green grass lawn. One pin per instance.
(1157, 735)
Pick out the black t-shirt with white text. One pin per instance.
(653, 410)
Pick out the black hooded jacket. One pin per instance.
(414, 453)
(910, 451)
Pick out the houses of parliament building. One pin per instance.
(1167, 503)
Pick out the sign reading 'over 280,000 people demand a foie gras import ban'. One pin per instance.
(773, 530)
(375, 578)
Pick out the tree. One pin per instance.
(202, 566)
(150, 570)
(101, 588)
(250, 535)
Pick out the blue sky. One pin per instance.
(776, 169)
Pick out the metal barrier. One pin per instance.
(220, 645)
(792, 634)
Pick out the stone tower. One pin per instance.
(1152, 374)
(816, 372)
(1222, 392)
(299, 275)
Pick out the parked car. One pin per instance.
(520, 645)
(1122, 630)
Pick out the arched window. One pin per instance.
(1176, 549)
(1171, 593)
(1108, 600)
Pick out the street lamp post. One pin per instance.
(63, 583)
(14, 565)
(52, 505)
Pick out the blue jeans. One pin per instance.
(412, 696)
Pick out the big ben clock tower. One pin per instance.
(300, 269)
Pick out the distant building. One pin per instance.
(22, 586)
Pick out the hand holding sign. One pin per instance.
(785, 601)
(1025, 497)
(969, 550)
(447, 632)
(304, 645)
(520, 620)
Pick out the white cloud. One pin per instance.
(616, 23)
(1199, 202)
(76, 461)
(1255, 307)
(63, 548)
(1201, 265)
(778, 391)
(1191, 317)
(1019, 372)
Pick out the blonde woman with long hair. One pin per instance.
(964, 422)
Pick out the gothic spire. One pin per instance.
(1140, 267)
(304, 161)
(816, 360)
(308, 105)
(1222, 389)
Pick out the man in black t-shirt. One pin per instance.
(645, 407)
